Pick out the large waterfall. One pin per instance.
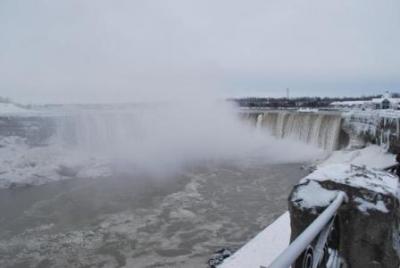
(320, 129)
(99, 131)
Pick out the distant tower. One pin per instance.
(287, 93)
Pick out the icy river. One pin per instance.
(128, 222)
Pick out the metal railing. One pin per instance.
(312, 244)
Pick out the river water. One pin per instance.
(135, 220)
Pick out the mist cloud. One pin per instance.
(166, 138)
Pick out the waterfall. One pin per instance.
(120, 131)
(100, 132)
(320, 129)
(259, 121)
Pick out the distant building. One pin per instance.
(384, 102)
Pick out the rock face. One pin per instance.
(367, 226)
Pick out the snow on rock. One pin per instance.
(314, 195)
(360, 183)
(370, 215)
(310, 194)
(263, 248)
(364, 205)
(367, 189)
(358, 177)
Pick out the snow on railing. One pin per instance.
(319, 253)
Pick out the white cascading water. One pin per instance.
(170, 136)
(122, 131)
(321, 130)
(99, 132)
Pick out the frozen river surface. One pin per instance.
(132, 220)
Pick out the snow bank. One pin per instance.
(372, 156)
(263, 248)
(11, 109)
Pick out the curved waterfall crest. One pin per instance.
(319, 129)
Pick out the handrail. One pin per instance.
(298, 246)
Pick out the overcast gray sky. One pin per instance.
(127, 50)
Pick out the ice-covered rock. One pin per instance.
(373, 126)
(369, 221)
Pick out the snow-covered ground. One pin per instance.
(269, 243)
(12, 109)
(372, 156)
